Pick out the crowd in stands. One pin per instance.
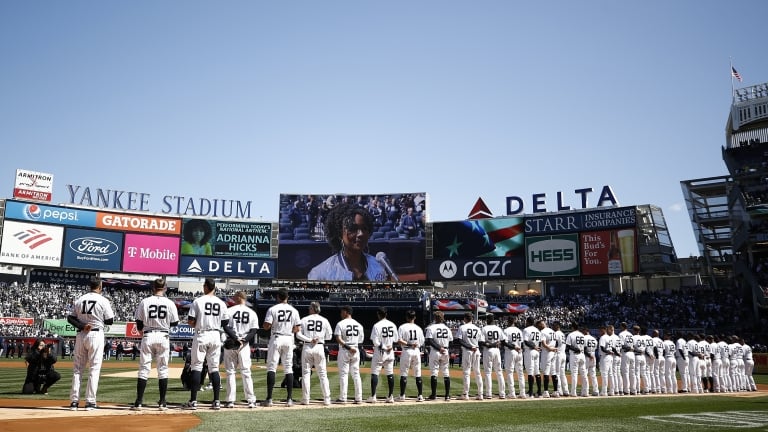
(302, 216)
(708, 310)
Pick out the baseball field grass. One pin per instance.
(746, 411)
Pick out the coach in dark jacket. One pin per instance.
(40, 372)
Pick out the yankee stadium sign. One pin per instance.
(170, 204)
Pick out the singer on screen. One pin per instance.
(348, 228)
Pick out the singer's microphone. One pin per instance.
(381, 257)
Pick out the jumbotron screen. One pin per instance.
(352, 237)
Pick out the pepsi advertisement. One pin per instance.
(33, 212)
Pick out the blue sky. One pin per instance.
(245, 100)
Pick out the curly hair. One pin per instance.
(192, 225)
(338, 216)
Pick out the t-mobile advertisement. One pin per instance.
(151, 254)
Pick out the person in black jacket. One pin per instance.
(40, 371)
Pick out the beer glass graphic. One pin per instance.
(627, 247)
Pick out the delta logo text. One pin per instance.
(213, 266)
(33, 238)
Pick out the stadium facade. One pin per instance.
(729, 213)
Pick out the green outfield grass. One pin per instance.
(747, 411)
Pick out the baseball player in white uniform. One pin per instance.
(513, 358)
(560, 360)
(670, 365)
(90, 313)
(694, 356)
(605, 348)
(737, 364)
(725, 369)
(548, 357)
(641, 341)
(705, 364)
(411, 341)
(749, 366)
(314, 331)
(208, 315)
(590, 357)
(245, 323)
(531, 350)
(155, 315)
(283, 321)
(717, 362)
(493, 338)
(657, 363)
(470, 337)
(627, 345)
(681, 356)
(350, 335)
(576, 343)
(618, 383)
(438, 337)
(384, 336)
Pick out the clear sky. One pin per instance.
(245, 100)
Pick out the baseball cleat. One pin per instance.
(73, 406)
(340, 401)
(327, 401)
(136, 406)
(191, 406)
(479, 397)
(372, 400)
(420, 398)
(216, 405)
(464, 397)
(90, 406)
(390, 399)
(289, 403)
(266, 403)
(252, 404)
(229, 404)
(358, 401)
(162, 405)
(305, 402)
(401, 398)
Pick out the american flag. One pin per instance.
(735, 73)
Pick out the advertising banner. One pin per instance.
(62, 328)
(138, 223)
(554, 255)
(476, 269)
(226, 238)
(608, 252)
(389, 233)
(17, 321)
(228, 267)
(60, 276)
(494, 237)
(47, 214)
(31, 244)
(561, 223)
(33, 185)
(151, 254)
(93, 250)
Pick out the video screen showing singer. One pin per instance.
(348, 228)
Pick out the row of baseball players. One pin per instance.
(538, 349)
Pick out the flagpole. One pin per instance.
(730, 72)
